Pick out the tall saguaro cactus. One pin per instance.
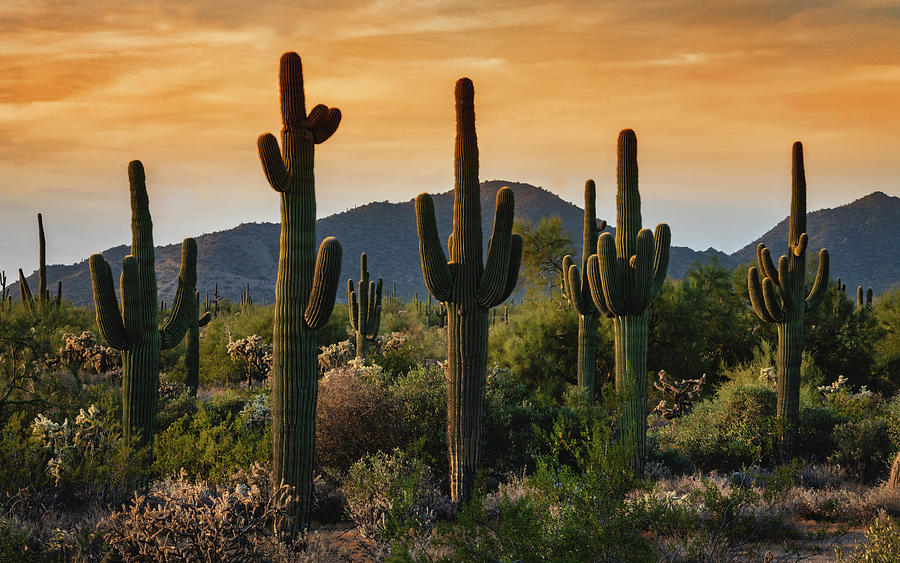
(365, 308)
(578, 292)
(134, 330)
(781, 299)
(624, 276)
(42, 302)
(863, 299)
(469, 289)
(305, 288)
(192, 344)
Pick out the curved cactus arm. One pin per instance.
(493, 279)
(325, 280)
(323, 122)
(774, 306)
(643, 271)
(515, 260)
(272, 163)
(204, 319)
(756, 296)
(572, 284)
(353, 306)
(434, 264)
(609, 278)
(821, 283)
(764, 259)
(800, 248)
(370, 306)
(132, 310)
(601, 226)
(24, 291)
(179, 321)
(663, 239)
(109, 321)
(375, 304)
(785, 275)
(595, 286)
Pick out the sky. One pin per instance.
(716, 91)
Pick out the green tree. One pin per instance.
(543, 248)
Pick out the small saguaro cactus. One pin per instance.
(863, 299)
(624, 275)
(192, 344)
(578, 291)
(134, 330)
(42, 302)
(469, 288)
(365, 308)
(304, 290)
(781, 299)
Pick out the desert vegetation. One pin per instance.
(610, 414)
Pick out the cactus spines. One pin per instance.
(192, 345)
(623, 277)
(305, 288)
(780, 298)
(365, 308)
(133, 330)
(578, 292)
(469, 288)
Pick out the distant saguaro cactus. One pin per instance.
(469, 289)
(863, 300)
(578, 291)
(364, 309)
(304, 291)
(624, 276)
(134, 330)
(192, 345)
(781, 299)
(42, 302)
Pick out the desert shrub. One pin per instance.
(853, 406)
(211, 443)
(196, 521)
(13, 543)
(862, 448)
(354, 416)
(882, 544)
(253, 355)
(22, 460)
(420, 398)
(399, 352)
(391, 495)
(815, 437)
(335, 355)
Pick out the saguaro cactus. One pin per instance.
(863, 299)
(781, 299)
(304, 291)
(469, 289)
(192, 344)
(365, 308)
(42, 302)
(624, 276)
(578, 292)
(134, 330)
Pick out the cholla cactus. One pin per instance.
(84, 350)
(256, 413)
(254, 356)
(392, 342)
(335, 355)
(681, 393)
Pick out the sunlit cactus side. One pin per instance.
(469, 288)
(780, 298)
(578, 291)
(304, 292)
(134, 329)
(624, 276)
(196, 321)
(364, 309)
(42, 300)
(4, 291)
(863, 299)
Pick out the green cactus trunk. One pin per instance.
(192, 346)
(469, 289)
(787, 361)
(304, 291)
(631, 384)
(140, 388)
(364, 308)
(587, 354)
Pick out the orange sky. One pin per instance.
(716, 91)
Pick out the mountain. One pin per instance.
(248, 253)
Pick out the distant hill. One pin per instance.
(861, 237)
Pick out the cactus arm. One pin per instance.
(572, 279)
(595, 286)
(272, 163)
(785, 273)
(109, 320)
(325, 280)
(370, 306)
(323, 122)
(43, 295)
(775, 308)
(800, 248)
(375, 315)
(663, 238)
(434, 264)
(493, 279)
(643, 274)
(609, 278)
(515, 260)
(25, 291)
(764, 259)
(130, 288)
(204, 319)
(353, 307)
(179, 321)
(756, 296)
(821, 283)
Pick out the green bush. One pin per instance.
(863, 448)
(882, 544)
(13, 543)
